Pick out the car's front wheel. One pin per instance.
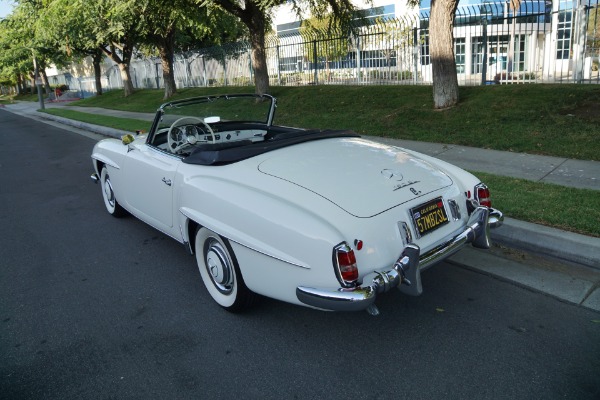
(220, 271)
(112, 206)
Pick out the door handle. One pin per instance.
(166, 181)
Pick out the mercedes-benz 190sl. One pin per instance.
(321, 218)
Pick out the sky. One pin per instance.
(5, 7)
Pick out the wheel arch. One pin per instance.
(98, 165)
(191, 229)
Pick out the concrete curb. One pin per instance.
(575, 285)
(102, 130)
(557, 243)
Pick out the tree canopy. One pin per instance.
(58, 31)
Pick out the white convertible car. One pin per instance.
(321, 218)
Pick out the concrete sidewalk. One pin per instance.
(572, 273)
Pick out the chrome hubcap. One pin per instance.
(219, 266)
(109, 194)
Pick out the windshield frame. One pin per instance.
(160, 112)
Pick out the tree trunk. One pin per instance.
(126, 78)
(166, 51)
(32, 80)
(443, 65)
(97, 61)
(259, 62)
(123, 64)
(46, 81)
(20, 87)
(255, 19)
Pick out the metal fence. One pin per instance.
(540, 41)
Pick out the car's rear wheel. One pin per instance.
(112, 205)
(220, 271)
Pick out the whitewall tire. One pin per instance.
(220, 271)
(112, 205)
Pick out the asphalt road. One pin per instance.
(92, 307)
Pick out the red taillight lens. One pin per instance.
(346, 264)
(483, 195)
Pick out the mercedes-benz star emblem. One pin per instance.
(392, 174)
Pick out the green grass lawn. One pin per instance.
(125, 124)
(576, 210)
(558, 120)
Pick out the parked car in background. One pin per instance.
(321, 218)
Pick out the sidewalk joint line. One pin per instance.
(553, 169)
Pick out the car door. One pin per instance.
(150, 174)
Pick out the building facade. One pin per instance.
(535, 40)
(518, 41)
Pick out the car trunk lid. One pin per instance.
(362, 177)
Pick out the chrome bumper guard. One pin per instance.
(406, 272)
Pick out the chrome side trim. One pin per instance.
(270, 255)
(104, 160)
(197, 220)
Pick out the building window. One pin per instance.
(377, 13)
(424, 42)
(291, 28)
(290, 64)
(459, 55)
(519, 53)
(378, 58)
(477, 47)
(563, 29)
(497, 54)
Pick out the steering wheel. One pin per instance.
(178, 138)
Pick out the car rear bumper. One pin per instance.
(405, 274)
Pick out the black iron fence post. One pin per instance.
(316, 74)
(415, 54)
(485, 52)
(278, 65)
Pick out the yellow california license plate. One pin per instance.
(429, 216)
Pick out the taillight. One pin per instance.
(345, 263)
(482, 195)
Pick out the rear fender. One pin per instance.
(286, 237)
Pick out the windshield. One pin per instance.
(215, 109)
(220, 130)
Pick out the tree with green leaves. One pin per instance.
(118, 29)
(170, 25)
(255, 15)
(22, 44)
(69, 27)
